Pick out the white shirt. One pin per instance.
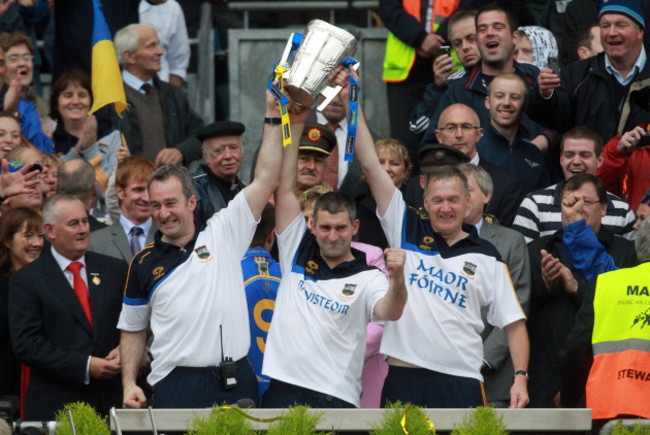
(127, 225)
(64, 263)
(169, 21)
(638, 66)
(186, 297)
(134, 82)
(441, 326)
(341, 134)
(317, 338)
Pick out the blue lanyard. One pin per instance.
(353, 102)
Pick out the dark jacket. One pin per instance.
(581, 13)
(370, 230)
(181, 123)
(73, 32)
(553, 313)
(51, 334)
(587, 97)
(210, 198)
(9, 367)
(507, 194)
(521, 158)
(468, 89)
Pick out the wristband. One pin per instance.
(273, 121)
(522, 372)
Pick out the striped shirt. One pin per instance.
(540, 214)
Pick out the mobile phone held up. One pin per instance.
(554, 65)
(15, 166)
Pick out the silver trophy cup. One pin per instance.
(323, 48)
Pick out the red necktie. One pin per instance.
(81, 290)
(331, 172)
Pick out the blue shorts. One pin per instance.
(431, 389)
(200, 387)
(282, 395)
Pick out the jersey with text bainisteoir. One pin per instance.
(188, 293)
(317, 338)
(447, 286)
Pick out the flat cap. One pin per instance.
(318, 138)
(220, 128)
(435, 154)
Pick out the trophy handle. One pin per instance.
(330, 92)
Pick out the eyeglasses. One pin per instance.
(590, 202)
(17, 57)
(234, 149)
(453, 128)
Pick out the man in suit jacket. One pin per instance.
(134, 229)
(63, 312)
(497, 366)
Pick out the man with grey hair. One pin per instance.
(76, 177)
(63, 312)
(188, 286)
(497, 367)
(613, 308)
(160, 123)
(216, 179)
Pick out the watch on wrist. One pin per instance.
(522, 372)
(273, 121)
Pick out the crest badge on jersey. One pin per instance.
(426, 243)
(158, 272)
(203, 254)
(469, 268)
(311, 268)
(263, 267)
(348, 291)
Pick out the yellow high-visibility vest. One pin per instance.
(619, 380)
(399, 56)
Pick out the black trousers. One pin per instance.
(200, 387)
(282, 395)
(431, 389)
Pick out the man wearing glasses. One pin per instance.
(581, 151)
(459, 127)
(216, 179)
(557, 288)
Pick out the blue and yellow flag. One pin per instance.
(106, 76)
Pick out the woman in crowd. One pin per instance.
(21, 242)
(79, 135)
(10, 134)
(394, 158)
(70, 102)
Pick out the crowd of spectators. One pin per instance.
(137, 267)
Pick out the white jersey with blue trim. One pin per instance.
(188, 293)
(317, 338)
(447, 286)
